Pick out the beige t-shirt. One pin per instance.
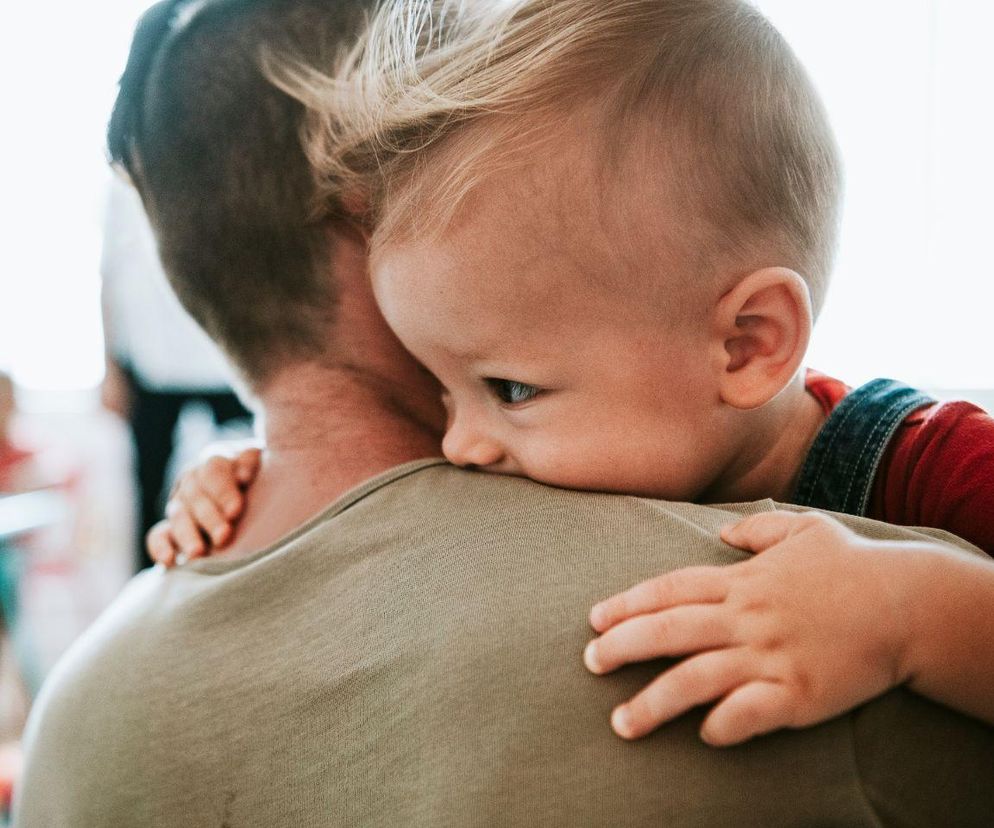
(412, 657)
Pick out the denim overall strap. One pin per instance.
(839, 471)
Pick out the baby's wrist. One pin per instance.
(923, 575)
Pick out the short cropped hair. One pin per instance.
(709, 88)
(214, 149)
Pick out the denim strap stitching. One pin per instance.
(869, 444)
(824, 445)
(876, 442)
(815, 485)
(822, 450)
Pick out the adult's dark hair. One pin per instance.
(214, 149)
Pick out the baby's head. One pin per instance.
(605, 227)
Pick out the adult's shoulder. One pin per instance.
(441, 505)
(127, 612)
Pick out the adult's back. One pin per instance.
(412, 657)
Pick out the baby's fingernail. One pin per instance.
(621, 721)
(231, 508)
(590, 657)
(597, 616)
(182, 558)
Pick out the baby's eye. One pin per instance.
(512, 392)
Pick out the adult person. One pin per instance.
(391, 640)
(158, 360)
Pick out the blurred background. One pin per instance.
(106, 386)
(111, 388)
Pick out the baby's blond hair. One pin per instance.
(707, 89)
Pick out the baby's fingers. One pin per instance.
(217, 479)
(755, 708)
(247, 465)
(760, 532)
(186, 534)
(694, 681)
(692, 585)
(673, 632)
(209, 519)
(160, 545)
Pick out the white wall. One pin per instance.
(59, 64)
(907, 85)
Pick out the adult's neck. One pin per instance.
(327, 430)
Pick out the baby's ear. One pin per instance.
(763, 325)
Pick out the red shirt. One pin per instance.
(938, 470)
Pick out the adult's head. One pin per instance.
(213, 147)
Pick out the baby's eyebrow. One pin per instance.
(473, 346)
(469, 352)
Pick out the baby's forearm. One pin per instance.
(949, 654)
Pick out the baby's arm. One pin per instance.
(818, 623)
(203, 508)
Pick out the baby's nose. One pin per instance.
(469, 447)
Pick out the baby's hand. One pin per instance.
(203, 508)
(810, 628)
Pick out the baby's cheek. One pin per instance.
(625, 464)
(571, 464)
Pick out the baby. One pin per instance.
(607, 229)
